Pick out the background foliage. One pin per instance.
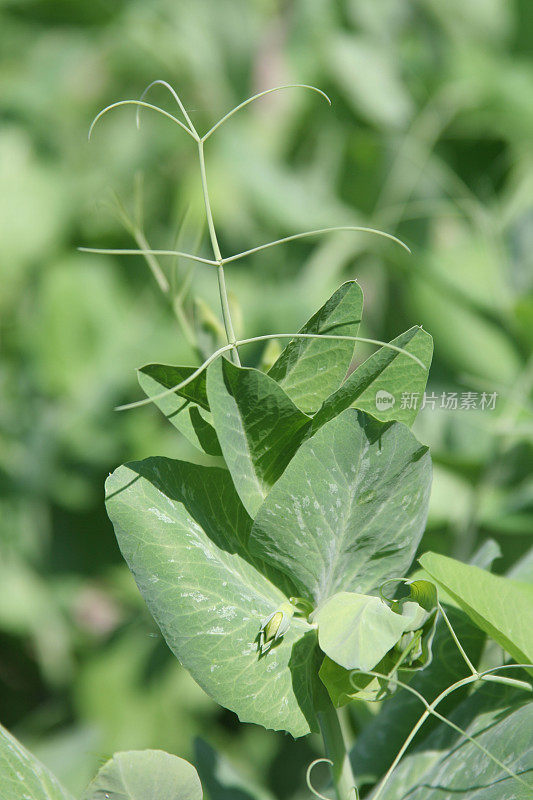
(429, 137)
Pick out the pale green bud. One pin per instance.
(274, 626)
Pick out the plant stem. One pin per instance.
(335, 748)
(164, 285)
(226, 315)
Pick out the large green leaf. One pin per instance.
(357, 630)
(380, 384)
(349, 510)
(446, 765)
(182, 530)
(309, 369)
(145, 774)
(187, 409)
(23, 776)
(502, 607)
(258, 426)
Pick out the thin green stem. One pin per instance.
(181, 385)
(310, 768)
(469, 664)
(176, 97)
(147, 251)
(134, 227)
(209, 213)
(336, 751)
(155, 269)
(256, 97)
(316, 232)
(142, 105)
(331, 336)
(251, 340)
(164, 285)
(226, 314)
(238, 256)
(430, 710)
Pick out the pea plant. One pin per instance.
(280, 570)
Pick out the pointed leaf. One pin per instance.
(182, 530)
(259, 428)
(165, 376)
(23, 776)
(143, 774)
(357, 630)
(310, 369)
(351, 505)
(502, 607)
(186, 409)
(378, 385)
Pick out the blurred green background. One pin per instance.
(429, 137)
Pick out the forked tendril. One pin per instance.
(105, 251)
(189, 127)
(218, 260)
(257, 97)
(251, 340)
(176, 97)
(238, 256)
(142, 104)
(310, 786)
(430, 710)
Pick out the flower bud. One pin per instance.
(274, 626)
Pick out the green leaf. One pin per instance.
(352, 506)
(309, 369)
(258, 426)
(155, 378)
(23, 776)
(403, 657)
(182, 530)
(379, 741)
(188, 409)
(445, 765)
(419, 611)
(144, 774)
(501, 607)
(344, 685)
(357, 630)
(379, 383)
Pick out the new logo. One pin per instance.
(384, 400)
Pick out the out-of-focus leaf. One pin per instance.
(142, 774)
(368, 75)
(219, 778)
